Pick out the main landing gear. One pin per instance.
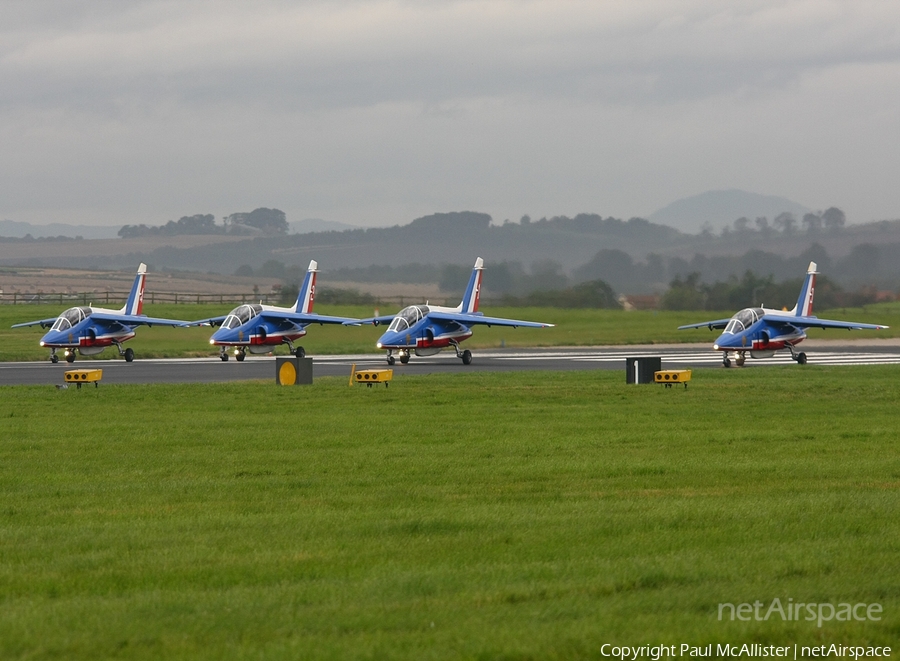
(128, 353)
(299, 352)
(465, 355)
(800, 357)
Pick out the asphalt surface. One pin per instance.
(211, 370)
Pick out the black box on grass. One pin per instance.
(642, 369)
(293, 371)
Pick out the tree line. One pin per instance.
(262, 222)
(703, 282)
(830, 220)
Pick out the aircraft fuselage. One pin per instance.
(76, 329)
(244, 327)
(412, 329)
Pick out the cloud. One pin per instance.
(375, 111)
(340, 54)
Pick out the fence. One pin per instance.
(119, 297)
(178, 298)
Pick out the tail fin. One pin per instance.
(135, 303)
(804, 305)
(473, 289)
(307, 295)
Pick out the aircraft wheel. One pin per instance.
(54, 359)
(390, 360)
(70, 358)
(801, 358)
(739, 362)
(467, 357)
(726, 362)
(300, 352)
(224, 357)
(239, 356)
(404, 358)
(129, 355)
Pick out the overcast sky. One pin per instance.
(376, 112)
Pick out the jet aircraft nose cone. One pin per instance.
(50, 337)
(390, 339)
(722, 342)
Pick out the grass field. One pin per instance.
(470, 516)
(573, 328)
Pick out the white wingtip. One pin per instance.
(142, 268)
(479, 263)
(313, 265)
(812, 268)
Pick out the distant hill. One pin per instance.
(318, 225)
(18, 230)
(719, 208)
(454, 237)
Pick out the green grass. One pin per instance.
(471, 516)
(573, 328)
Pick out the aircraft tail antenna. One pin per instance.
(306, 297)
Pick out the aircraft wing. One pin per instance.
(715, 323)
(307, 318)
(211, 321)
(386, 319)
(815, 322)
(137, 319)
(470, 319)
(43, 322)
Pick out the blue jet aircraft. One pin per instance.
(427, 329)
(90, 330)
(761, 332)
(260, 328)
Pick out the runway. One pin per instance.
(213, 370)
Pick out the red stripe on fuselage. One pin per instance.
(272, 339)
(440, 342)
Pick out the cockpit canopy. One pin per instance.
(407, 317)
(743, 320)
(241, 315)
(70, 318)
